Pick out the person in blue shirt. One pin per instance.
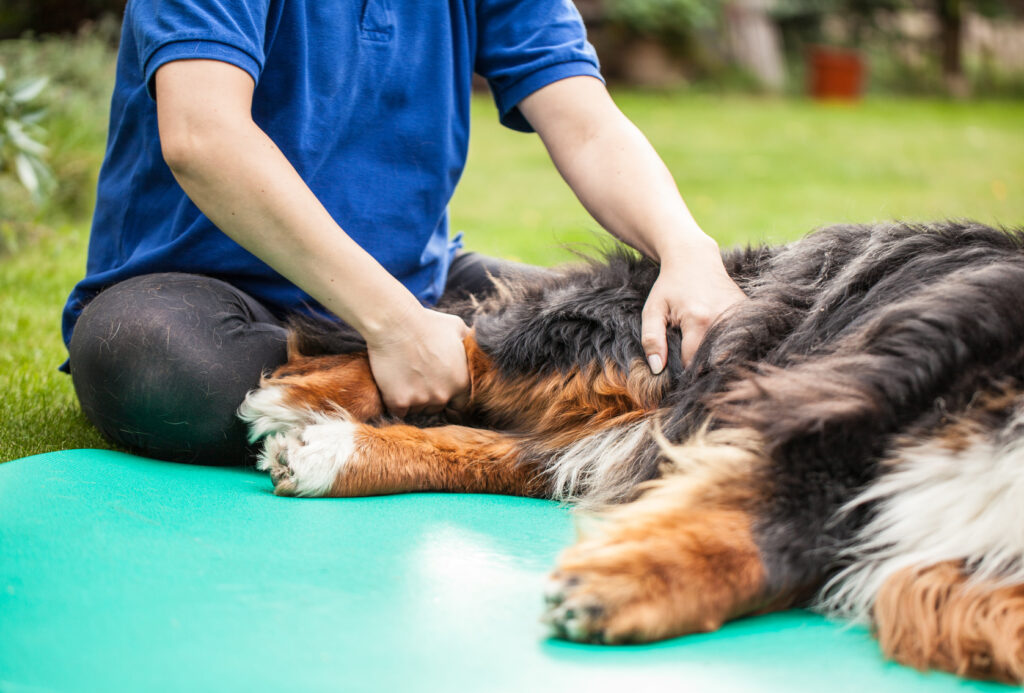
(282, 156)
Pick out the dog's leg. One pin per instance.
(656, 575)
(307, 385)
(339, 457)
(681, 559)
(937, 617)
(556, 406)
(559, 406)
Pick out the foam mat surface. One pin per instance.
(119, 573)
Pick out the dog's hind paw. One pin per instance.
(656, 571)
(605, 609)
(308, 461)
(577, 617)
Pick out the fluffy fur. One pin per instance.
(852, 437)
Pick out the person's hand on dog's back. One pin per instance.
(627, 188)
(691, 292)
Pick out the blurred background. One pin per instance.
(775, 117)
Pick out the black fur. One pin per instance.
(853, 335)
(902, 324)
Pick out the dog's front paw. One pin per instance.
(268, 411)
(310, 460)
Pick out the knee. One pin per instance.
(162, 371)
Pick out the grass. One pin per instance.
(762, 169)
(751, 169)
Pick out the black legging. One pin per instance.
(161, 362)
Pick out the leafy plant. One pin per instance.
(666, 18)
(21, 152)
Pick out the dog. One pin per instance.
(850, 438)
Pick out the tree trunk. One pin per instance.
(754, 41)
(951, 29)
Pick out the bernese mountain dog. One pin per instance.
(851, 438)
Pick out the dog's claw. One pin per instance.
(282, 473)
(554, 591)
(570, 615)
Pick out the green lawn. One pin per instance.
(762, 169)
(751, 169)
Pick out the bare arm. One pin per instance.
(626, 187)
(236, 175)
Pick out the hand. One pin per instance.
(690, 292)
(420, 364)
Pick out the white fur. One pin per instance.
(598, 469)
(266, 413)
(308, 460)
(934, 506)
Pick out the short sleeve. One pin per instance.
(225, 30)
(524, 45)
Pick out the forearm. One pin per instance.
(615, 171)
(623, 183)
(248, 189)
(239, 178)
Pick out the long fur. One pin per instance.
(879, 369)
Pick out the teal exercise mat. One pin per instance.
(119, 573)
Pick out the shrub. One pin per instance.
(21, 151)
(76, 100)
(669, 19)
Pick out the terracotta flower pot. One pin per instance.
(834, 73)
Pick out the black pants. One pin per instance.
(161, 362)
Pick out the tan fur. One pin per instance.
(936, 617)
(323, 383)
(403, 459)
(680, 559)
(984, 414)
(558, 408)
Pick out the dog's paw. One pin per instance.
(633, 590)
(601, 608)
(267, 411)
(572, 614)
(309, 460)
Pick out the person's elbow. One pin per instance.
(190, 145)
(198, 124)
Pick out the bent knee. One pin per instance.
(160, 367)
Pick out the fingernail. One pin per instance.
(655, 362)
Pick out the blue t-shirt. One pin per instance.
(368, 100)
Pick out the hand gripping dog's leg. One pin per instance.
(680, 559)
(334, 456)
(555, 406)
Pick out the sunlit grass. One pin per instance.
(751, 169)
(762, 169)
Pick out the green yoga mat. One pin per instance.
(124, 574)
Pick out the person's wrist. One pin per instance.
(390, 321)
(685, 248)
